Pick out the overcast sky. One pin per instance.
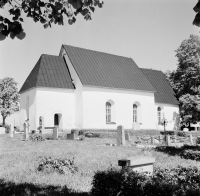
(148, 31)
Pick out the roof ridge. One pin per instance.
(152, 69)
(97, 51)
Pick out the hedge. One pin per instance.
(166, 182)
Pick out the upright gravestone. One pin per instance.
(127, 136)
(11, 130)
(120, 136)
(55, 133)
(41, 124)
(191, 140)
(26, 133)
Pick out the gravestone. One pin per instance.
(120, 136)
(41, 124)
(127, 136)
(71, 136)
(191, 140)
(55, 133)
(168, 141)
(2, 130)
(139, 164)
(26, 133)
(11, 130)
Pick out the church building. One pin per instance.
(86, 89)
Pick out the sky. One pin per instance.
(148, 31)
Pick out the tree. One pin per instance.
(185, 80)
(9, 97)
(45, 12)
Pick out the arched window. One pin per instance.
(108, 112)
(159, 115)
(135, 113)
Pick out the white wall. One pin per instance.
(78, 99)
(94, 112)
(171, 113)
(50, 101)
(24, 105)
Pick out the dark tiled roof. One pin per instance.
(49, 71)
(164, 92)
(107, 70)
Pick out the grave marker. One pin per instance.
(127, 136)
(11, 130)
(55, 132)
(139, 164)
(26, 133)
(120, 136)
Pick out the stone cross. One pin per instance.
(11, 130)
(26, 133)
(120, 136)
(41, 124)
(55, 132)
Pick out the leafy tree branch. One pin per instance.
(45, 12)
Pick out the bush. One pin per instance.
(166, 182)
(181, 134)
(33, 131)
(76, 131)
(36, 137)
(107, 183)
(198, 140)
(167, 132)
(191, 154)
(92, 135)
(61, 166)
(82, 132)
(7, 128)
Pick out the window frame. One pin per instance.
(135, 113)
(108, 112)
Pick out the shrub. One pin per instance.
(167, 132)
(89, 135)
(61, 166)
(191, 154)
(107, 183)
(198, 140)
(181, 134)
(36, 137)
(82, 132)
(166, 182)
(76, 131)
(33, 131)
(92, 135)
(7, 128)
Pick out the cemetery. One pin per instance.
(81, 161)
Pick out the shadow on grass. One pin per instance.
(174, 151)
(28, 189)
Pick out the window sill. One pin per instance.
(111, 123)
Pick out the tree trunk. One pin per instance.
(3, 124)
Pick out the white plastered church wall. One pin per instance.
(27, 108)
(171, 113)
(94, 110)
(78, 99)
(51, 101)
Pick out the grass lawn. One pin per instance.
(19, 160)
